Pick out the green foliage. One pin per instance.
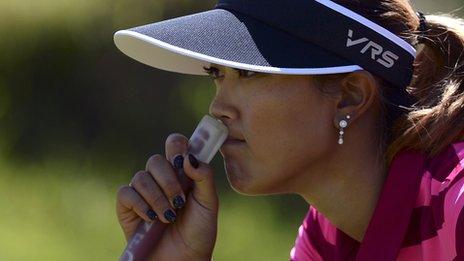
(51, 212)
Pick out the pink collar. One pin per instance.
(388, 225)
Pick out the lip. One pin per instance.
(233, 142)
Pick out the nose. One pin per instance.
(222, 107)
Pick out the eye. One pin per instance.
(246, 73)
(213, 72)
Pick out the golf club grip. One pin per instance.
(143, 242)
(147, 235)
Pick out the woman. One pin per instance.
(357, 106)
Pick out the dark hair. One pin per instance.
(437, 118)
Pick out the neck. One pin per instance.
(346, 188)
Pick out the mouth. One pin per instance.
(231, 142)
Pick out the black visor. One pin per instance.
(301, 37)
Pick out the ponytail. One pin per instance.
(437, 119)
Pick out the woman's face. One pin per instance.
(285, 122)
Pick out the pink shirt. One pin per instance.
(419, 215)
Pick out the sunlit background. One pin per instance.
(78, 119)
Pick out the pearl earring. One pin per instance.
(343, 124)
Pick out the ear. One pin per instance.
(358, 91)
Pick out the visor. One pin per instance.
(300, 37)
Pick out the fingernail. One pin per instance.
(151, 214)
(178, 202)
(193, 161)
(179, 162)
(170, 215)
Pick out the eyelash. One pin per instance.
(212, 71)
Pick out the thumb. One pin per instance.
(204, 189)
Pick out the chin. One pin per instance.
(245, 184)
(240, 188)
(240, 182)
(243, 181)
(236, 183)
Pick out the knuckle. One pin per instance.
(140, 180)
(172, 188)
(139, 175)
(155, 160)
(176, 137)
(140, 205)
(176, 140)
(143, 185)
(159, 201)
(123, 191)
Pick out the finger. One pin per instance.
(144, 184)
(165, 176)
(129, 199)
(176, 145)
(202, 174)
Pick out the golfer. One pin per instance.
(356, 106)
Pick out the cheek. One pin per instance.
(290, 130)
(286, 133)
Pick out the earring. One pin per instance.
(343, 124)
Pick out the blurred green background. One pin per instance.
(78, 119)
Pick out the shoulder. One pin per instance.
(446, 174)
(447, 165)
(445, 177)
(319, 239)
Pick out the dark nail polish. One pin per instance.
(151, 214)
(179, 162)
(178, 202)
(170, 215)
(193, 161)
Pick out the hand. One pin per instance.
(191, 233)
